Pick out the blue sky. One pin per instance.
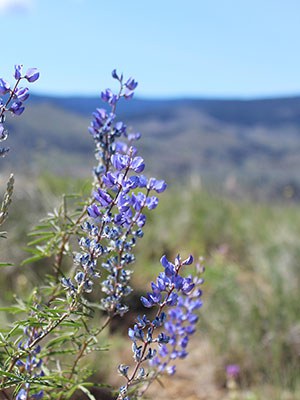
(214, 48)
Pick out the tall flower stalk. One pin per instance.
(42, 352)
(14, 98)
(160, 341)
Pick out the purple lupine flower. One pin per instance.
(132, 151)
(17, 108)
(32, 74)
(177, 325)
(4, 87)
(108, 97)
(137, 164)
(138, 201)
(32, 364)
(2, 132)
(131, 84)
(124, 218)
(120, 161)
(142, 181)
(141, 220)
(168, 266)
(18, 71)
(110, 179)
(131, 183)
(121, 147)
(188, 285)
(38, 396)
(120, 127)
(123, 369)
(103, 197)
(100, 116)
(152, 202)
(146, 302)
(18, 94)
(188, 261)
(67, 284)
(124, 203)
(22, 395)
(93, 211)
(128, 94)
(143, 321)
(133, 136)
(115, 75)
(158, 186)
(118, 226)
(136, 333)
(79, 277)
(21, 94)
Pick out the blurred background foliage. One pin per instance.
(252, 255)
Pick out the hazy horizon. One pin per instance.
(174, 97)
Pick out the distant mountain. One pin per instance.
(233, 142)
(269, 112)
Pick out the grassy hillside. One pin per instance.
(237, 145)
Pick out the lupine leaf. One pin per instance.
(41, 239)
(60, 339)
(41, 233)
(6, 264)
(87, 392)
(60, 352)
(10, 375)
(32, 259)
(12, 309)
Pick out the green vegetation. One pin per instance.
(252, 253)
(252, 256)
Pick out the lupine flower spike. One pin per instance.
(15, 97)
(116, 213)
(177, 299)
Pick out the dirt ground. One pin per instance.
(194, 379)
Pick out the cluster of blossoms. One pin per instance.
(111, 223)
(13, 101)
(176, 298)
(32, 365)
(105, 129)
(116, 213)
